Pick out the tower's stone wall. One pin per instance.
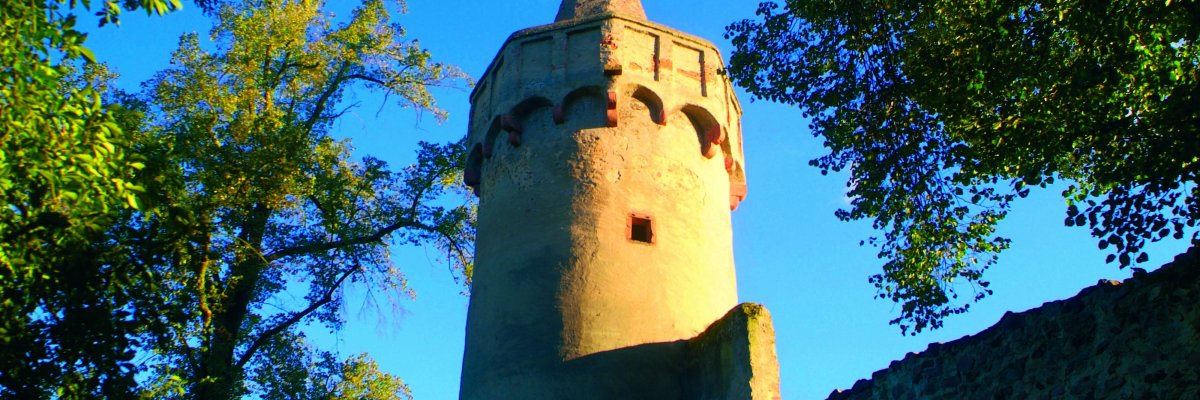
(1137, 339)
(606, 152)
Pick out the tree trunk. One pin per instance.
(217, 377)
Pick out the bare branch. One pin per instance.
(295, 317)
(323, 101)
(337, 244)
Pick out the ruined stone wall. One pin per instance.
(734, 359)
(1137, 339)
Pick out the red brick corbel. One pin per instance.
(737, 193)
(560, 115)
(473, 177)
(612, 67)
(510, 124)
(713, 138)
(611, 115)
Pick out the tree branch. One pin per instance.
(295, 317)
(412, 222)
(337, 244)
(368, 78)
(323, 101)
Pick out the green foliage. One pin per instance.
(291, 368)
(945, 112)
(64, 175)
(152, 245)
(362, 380)
(294, 369)
(255, 200)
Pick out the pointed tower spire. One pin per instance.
(575, 9)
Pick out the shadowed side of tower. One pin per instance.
(606, 152)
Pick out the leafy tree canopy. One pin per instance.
(255, 195)
(945, 112)
(155, 246)
(64, 173)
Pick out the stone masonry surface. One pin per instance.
(606, 151)
(734, 358)
(1137, 339)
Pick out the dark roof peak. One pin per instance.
(575, 9)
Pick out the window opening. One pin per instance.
(641, 228)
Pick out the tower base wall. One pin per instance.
(734, 358)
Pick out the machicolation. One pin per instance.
(567, 69)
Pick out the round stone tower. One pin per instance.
(606, 152)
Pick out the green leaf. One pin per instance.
(86, 54)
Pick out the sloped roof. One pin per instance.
(574, 9)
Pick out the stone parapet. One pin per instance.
(1137, 339)
(620, 62)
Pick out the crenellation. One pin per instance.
(536, 73)
(580, 58)
(642, 52)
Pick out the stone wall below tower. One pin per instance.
(734, 359)
(1137, 339)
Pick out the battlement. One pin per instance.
(594, 72)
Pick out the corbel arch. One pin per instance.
(489, 140)
(652, 101)
(709, 131)
(588, 104)
(714, 138)
(516, 119)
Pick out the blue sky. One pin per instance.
(792, 254)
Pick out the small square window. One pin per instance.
(641, 228)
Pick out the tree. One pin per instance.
(947, 112)
(254, 198)
(64, 174)
(147, 239)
